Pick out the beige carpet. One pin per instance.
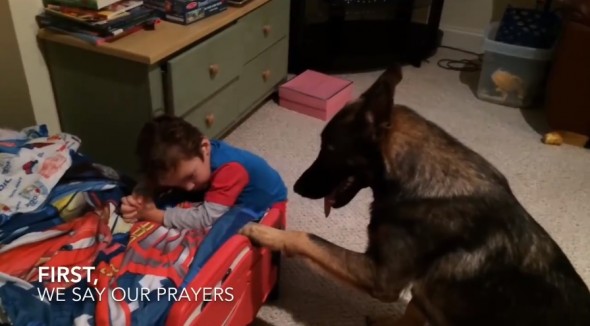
(553, 183)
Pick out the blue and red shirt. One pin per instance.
(238, 177)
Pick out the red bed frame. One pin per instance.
(251, 272)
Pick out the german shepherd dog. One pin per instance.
(444, 223)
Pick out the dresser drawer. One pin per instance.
(216, 113)
(197, 73)
(264, 27)
(263, 73)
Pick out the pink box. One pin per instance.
(315, 94)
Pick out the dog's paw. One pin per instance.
(248, 229)
(264, 236)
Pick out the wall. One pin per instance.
(25, 81)
(464, 21)
(16, 109)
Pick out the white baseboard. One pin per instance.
(462, 38)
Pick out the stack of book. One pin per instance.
(96, 21)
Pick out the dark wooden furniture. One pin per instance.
(567, 100)
(341, 35)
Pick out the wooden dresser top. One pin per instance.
(150, 47)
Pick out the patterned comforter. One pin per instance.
(67, 257)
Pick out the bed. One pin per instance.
(58, 208)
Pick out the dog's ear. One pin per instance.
(391, 76)
(378, 101)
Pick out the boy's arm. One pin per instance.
(226, 185)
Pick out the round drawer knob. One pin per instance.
(266, 74)
(266, 29)
(213, 70)
(210, 119)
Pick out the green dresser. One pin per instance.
(213, 73)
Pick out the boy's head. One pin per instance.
(174, 153)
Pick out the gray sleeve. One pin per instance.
(200, 218)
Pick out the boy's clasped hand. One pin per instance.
(137, 208)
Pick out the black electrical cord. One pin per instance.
(468, 65)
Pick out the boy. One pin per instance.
(173, 153)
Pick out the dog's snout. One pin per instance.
(301, 187)
(310, 185)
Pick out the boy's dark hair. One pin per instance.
(163, 142)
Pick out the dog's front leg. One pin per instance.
(354, 268)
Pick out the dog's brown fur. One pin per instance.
(444, 222)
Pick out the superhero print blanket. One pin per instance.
(67, 258)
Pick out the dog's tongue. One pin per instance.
(328, 202)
